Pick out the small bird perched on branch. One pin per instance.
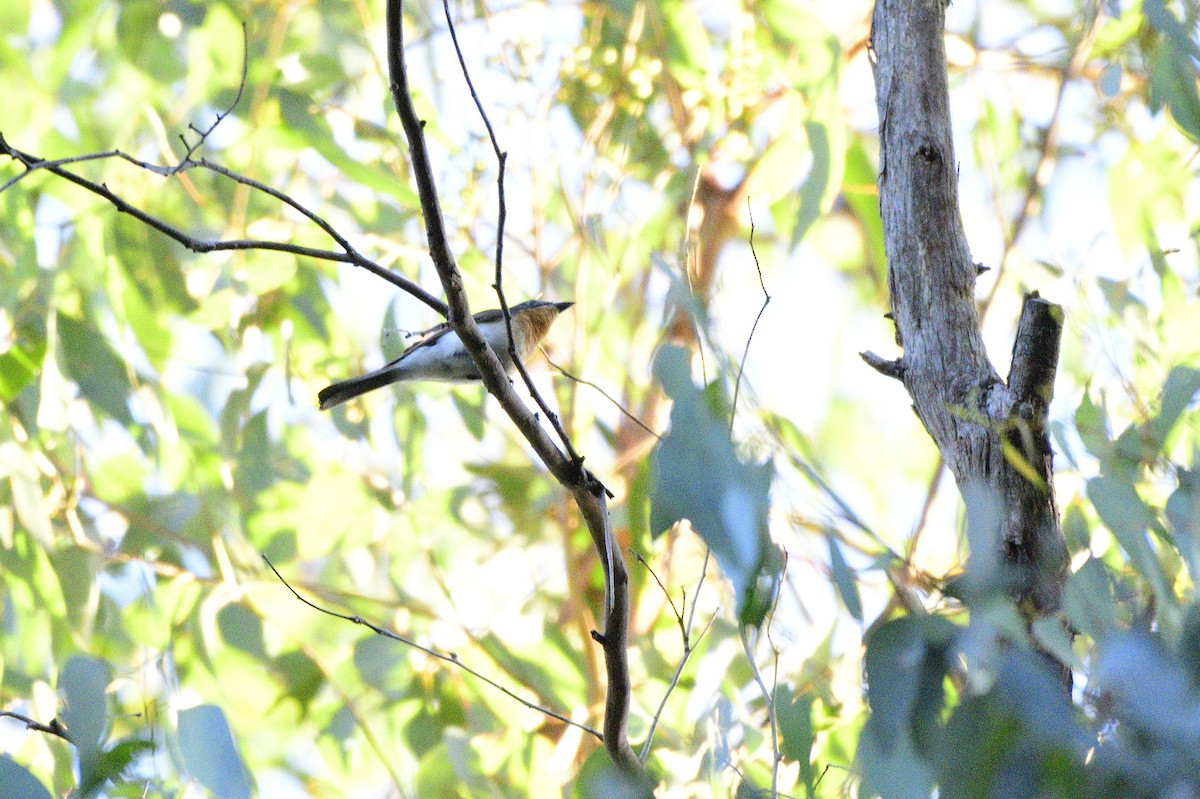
(440, 355)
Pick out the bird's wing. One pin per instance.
(435, 334)
(490, 315)
(430, 338)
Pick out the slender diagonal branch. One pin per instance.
(589, 493)
(451, 658)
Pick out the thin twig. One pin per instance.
(514, 357)
(678, 616)
(501, 217)
(737, 386)
(699, 585)
(769, 698)
(930, 494)
(814, 476)
(1040, 176)
(616, 403)
(55, 727)
(204, 134)
(447, 658)
(688, 649)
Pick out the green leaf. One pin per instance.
(254, 471)
(1166, 23)
(1173, 82)
(311, 129)
(892, 768)
(796, 729)
(1054, 639)
(905, 665)
(599, 778)
(697, 476)
(19, 365)
(112, 763)
(300, 674)
(210, 753)
(101, 373)
(1109, 81)
(843, 578)
(380, 661)
(83, 683)
(1183, 512)
(472, 413)
(544, 669)
(1075, 529)
(815, 189)
(28, 499)
(1092, 425)
(1181, 386)
(1088, 600)
(1129, 519)
(1149, 690)
(1189, 643)
(242, 629)
(687, 41)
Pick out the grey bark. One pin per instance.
(992, 434)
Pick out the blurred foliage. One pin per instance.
(160, 428)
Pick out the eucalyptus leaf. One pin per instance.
(211, 754)
(698, 476)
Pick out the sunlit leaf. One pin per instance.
(1129, 519)
(1180, 388)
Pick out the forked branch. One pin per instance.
(589, 493)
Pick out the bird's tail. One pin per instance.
(347, 390)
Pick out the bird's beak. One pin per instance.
(562, 306)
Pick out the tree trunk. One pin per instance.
(992, 435)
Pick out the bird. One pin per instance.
(441, 356)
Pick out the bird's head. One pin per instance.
(533, 318)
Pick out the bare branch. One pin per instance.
(349, 255)
(589, 492)
(55, 727)
(894, 369)
(501, 217)
(1041, 173)
(1035, 352)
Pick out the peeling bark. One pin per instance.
(992, 434)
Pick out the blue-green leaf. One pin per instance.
(210, 753)
(19, 782)
(843, 578)
(1129, 519)
(698, 476)
(1088, 600)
